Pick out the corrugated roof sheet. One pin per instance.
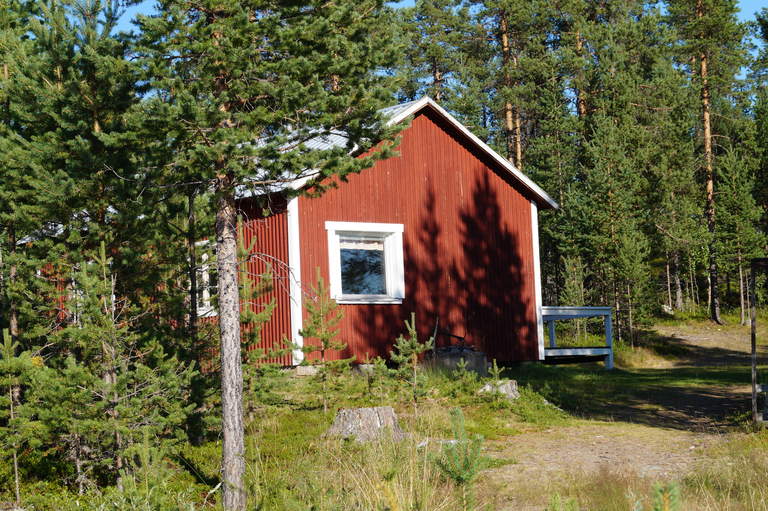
(339, 138)
(327, 141)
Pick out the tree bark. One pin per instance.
(631, 323)
(742, 305)
(12, 391)
(13, 313)
(511, 116)
(669, 283)
(676, 279)
(714, 304)
(617, 307)
(192, 256)
(518, 139)
(109, 356)
(581, 101)
(695, 287)
(233, 450)
(437, 82)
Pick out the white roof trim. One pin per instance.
(525, 180)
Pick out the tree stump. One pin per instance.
(507, 388)
(366, 424)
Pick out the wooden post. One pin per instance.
(609, 340)
(753, 338)
(551, 325)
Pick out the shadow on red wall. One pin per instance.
(471, 278)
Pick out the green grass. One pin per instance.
(590, 391)
(291, 466)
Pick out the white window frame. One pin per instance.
(394, 273)
(205, 307)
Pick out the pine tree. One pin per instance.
(239, 88)
(12, 368)
(759, 77)
(713, 50)
(460, 460)
(25, 198)
(739, 238)
(112, 385)
(435, 31)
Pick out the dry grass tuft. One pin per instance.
(733, 478)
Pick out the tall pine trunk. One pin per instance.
(512, 121)
(742, 302)
(12, 393)
(630, 319)
(581, 100)
(518, 124)
(109, 356)
(192, 274)
(714, 302)
(437, 81)
(669, 282)
(694, 287)
(233, 449)
(676, 279)
(13, 312)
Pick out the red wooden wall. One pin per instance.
(467, 244)
(267, 239)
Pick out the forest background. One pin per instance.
(646, 121)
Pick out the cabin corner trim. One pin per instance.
(537, 277)
(294, 286)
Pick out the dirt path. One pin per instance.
(712, 345)
(557, 458)
(658, 431)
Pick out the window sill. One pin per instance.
(369, 300)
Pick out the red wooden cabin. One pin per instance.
(447, 229)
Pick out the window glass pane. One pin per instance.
(362, 266)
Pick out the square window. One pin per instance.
(366, 262)
(362, 266)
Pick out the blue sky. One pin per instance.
(750, 7)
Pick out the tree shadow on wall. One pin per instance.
(380, 325)
(471, 278)
(495, 289)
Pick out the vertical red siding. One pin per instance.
(467, 244)
(267, 239)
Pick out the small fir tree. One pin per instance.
(322, 324)
(460, 460)
(405, 355)
(494, 372)
(12, 369)
(464, 379)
